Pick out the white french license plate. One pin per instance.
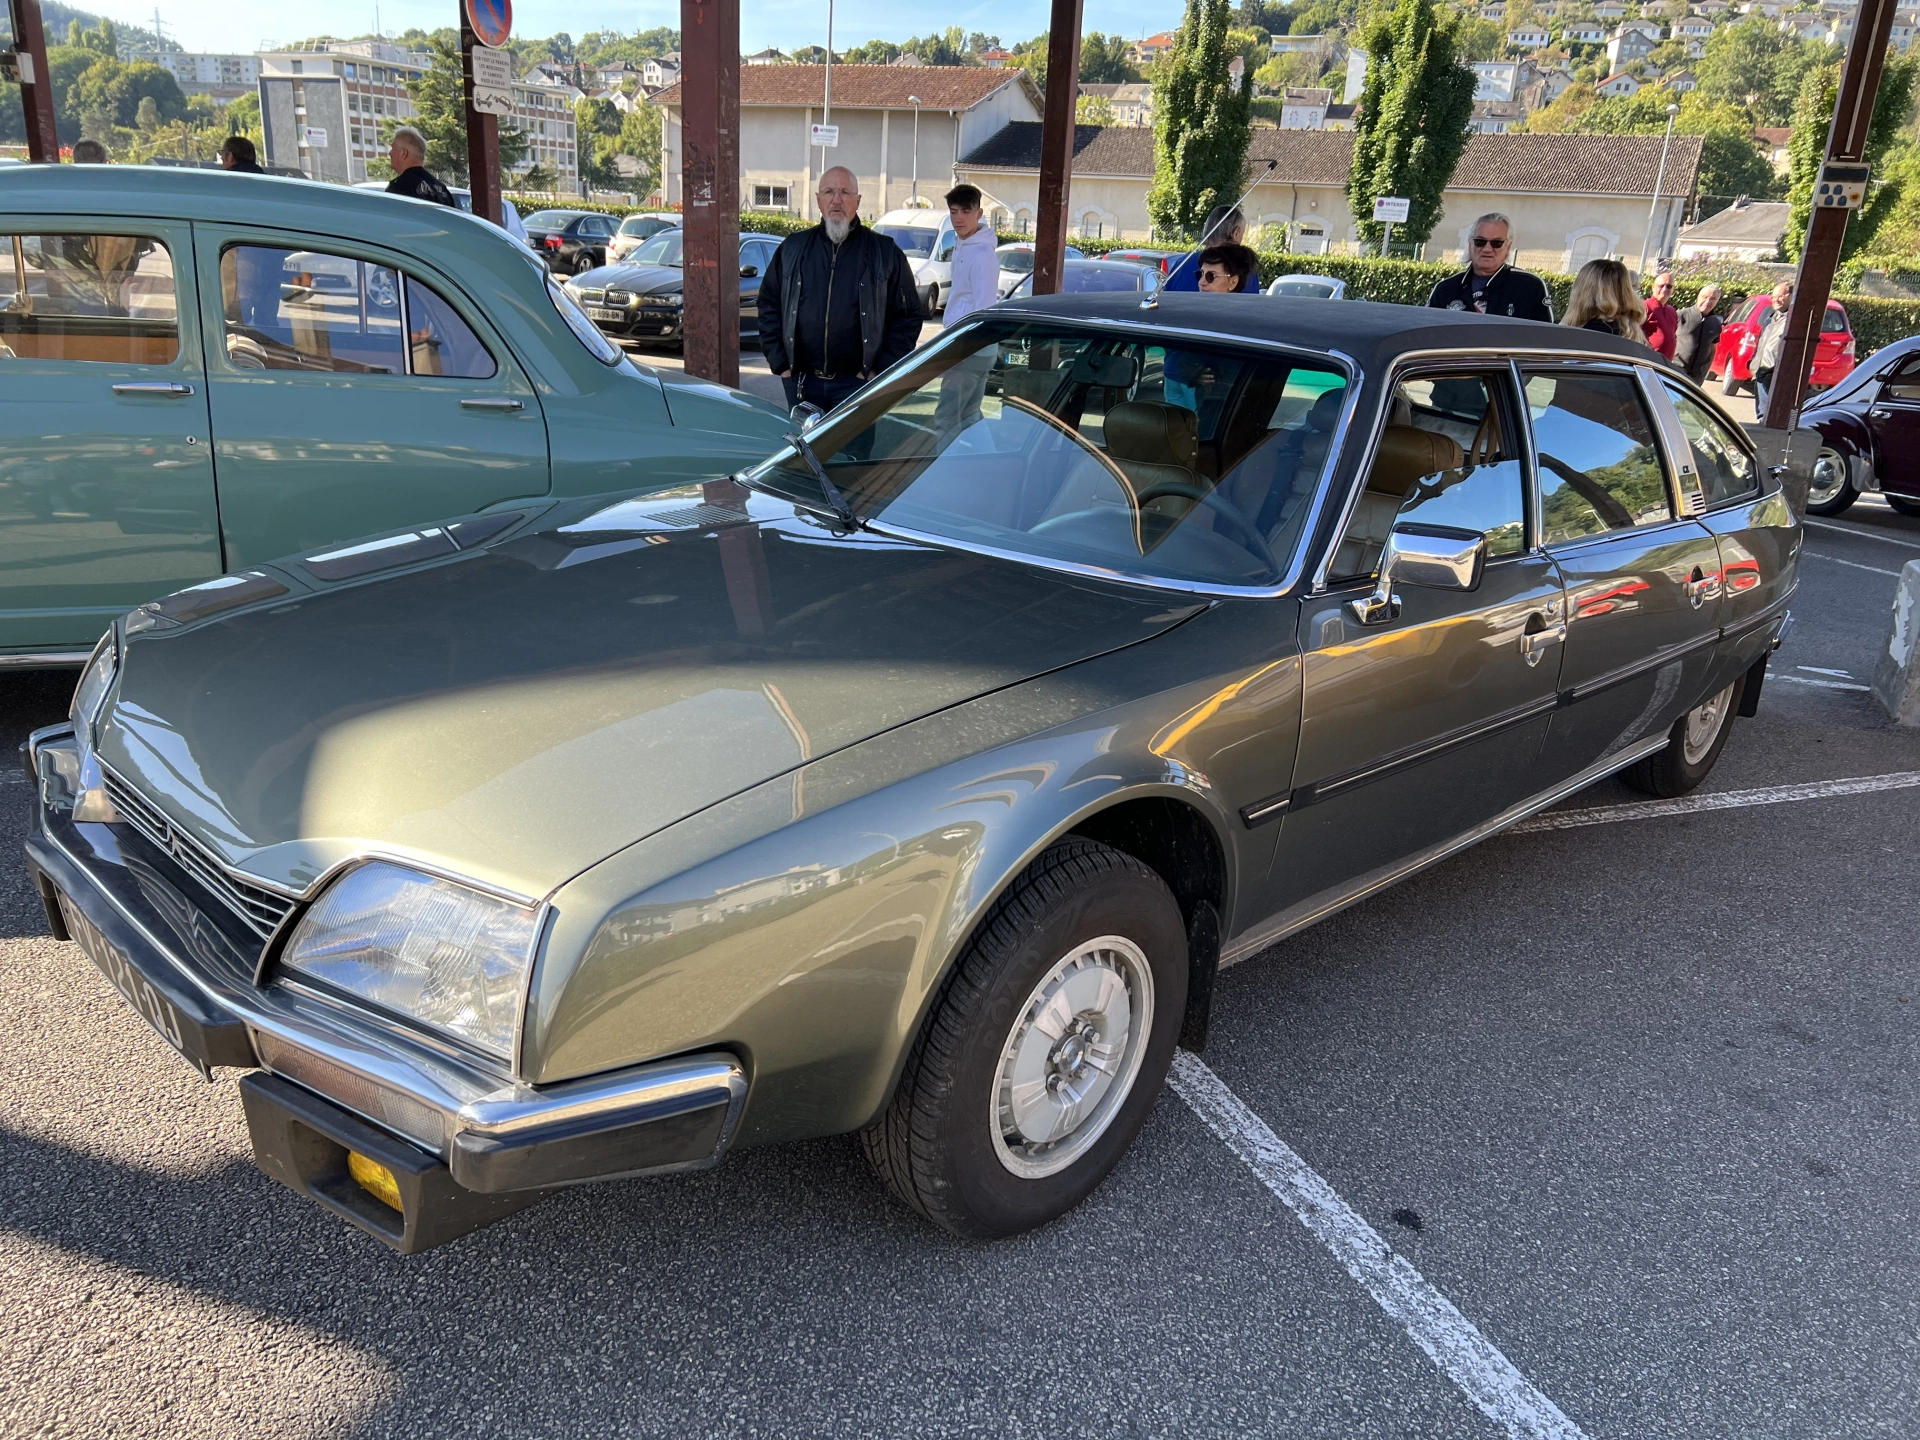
(153, 1007)
(596, 312)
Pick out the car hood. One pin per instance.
(641, 279)
(517, 712)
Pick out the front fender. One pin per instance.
(806, 924)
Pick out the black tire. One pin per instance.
(938, 1146)
(1693, 745)
(584, 261)
(1832, 490)
(932, 298)
(1903, 506)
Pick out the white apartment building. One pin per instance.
(321, 110)
(224, 77)
(1496, 79)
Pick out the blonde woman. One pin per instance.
(1606, 299)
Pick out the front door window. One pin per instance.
(1599, 467)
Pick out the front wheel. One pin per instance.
(1693, 745)
(1045, 1050)
(1831, 490)
(1903, 506)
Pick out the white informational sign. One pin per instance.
(313, 137)
(827, 135)
(23, 61)
(492, 81)
(1391, 210)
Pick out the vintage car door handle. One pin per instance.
(1876, 412)
(169, 388)
(1702, 587)
(1534, 643)
(504, 406)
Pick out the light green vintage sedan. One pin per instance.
(916, 781)
(201, 371)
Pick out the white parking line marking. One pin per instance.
(1823, 684)
(1451, 1341)
(1863, 534)
(1825, 670)
(1725, 800)
(1850, 564)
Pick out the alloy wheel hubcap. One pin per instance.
(1829, 477)
(1703, 723)
(1073, 1054)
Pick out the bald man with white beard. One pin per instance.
(838, 303)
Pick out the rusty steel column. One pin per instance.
(1820, 256)
(1056, 148)
(483, 135)
(710, 187)
(36, 99)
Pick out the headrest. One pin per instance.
(1325, 413)
(1400, 412)
(1154, 433)
(1406, 454)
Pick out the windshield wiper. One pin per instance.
(827, 487)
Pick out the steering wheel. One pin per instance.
(1248, 534)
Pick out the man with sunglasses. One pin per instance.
(1490, 284)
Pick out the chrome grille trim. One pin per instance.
(259, 907)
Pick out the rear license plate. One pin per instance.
(595, 312)
(153, 1007)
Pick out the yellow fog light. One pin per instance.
(374, 1178)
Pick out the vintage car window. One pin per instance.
(103, 298)
(1726, 471)
(441, 343)
(584, 330)
(1074, 444)
(1599, 467)
(307, 310)
(1444, 458)
(1904, 382)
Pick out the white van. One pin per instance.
(926, 235)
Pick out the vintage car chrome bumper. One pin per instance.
(465, 1145)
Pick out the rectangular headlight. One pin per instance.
(438, 953)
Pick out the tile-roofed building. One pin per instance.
(1746, 230)
(1572, 197)
(961, 107)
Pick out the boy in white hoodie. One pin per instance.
(976, 285)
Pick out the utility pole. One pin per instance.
(1827, 228)
(36, 83)
(710, 187)
(1056, 148)
(1673, 113)
(483, 133)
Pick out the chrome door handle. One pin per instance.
(503, 406)
(1534, 643)
(1880, 414)
(170, 388)
(1702, 588)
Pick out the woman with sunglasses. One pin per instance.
(1490, 284)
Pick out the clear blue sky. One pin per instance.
(211, 24)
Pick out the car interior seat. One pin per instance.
(1406, 455)
(1154, 443)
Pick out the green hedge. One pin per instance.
(1879, 322)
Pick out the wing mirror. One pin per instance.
(806, 415)
(1435, 557)
(747, 272)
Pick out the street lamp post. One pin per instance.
(826, 108)
(1673, 113)
(914, 100)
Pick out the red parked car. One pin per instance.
(1733, 356)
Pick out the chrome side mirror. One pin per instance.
(806, 415)
(1435, 557)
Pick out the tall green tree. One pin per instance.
(1412, 124)
(1812, 119)
(440, 114)
(1104, 61)
(1202, 122)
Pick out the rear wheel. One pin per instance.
(1902, 505)
(585, 262)
(1045, 1050)
(932, 297)
(1831, 490)
(1693, 745)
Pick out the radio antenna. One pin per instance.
(1152, 302)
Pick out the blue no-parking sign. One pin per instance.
(492, 21)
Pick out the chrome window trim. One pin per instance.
(1677, 451)
(1536, 526)
(1289, 577)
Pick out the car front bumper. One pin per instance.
(466, 1146)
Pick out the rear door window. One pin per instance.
(1726, 471)
(91, 297)
(1599, 467)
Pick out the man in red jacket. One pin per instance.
(1663, 321)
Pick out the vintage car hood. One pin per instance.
(519, 712)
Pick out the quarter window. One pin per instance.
(441, 342)
(103, 298)
(1726, 471)
(1904, 383)
(1599, 468)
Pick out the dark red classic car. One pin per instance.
(1869, 426)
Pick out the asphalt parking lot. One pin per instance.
(1603, 1130)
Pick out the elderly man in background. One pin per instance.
(826, 330)
(1490, 284)
(1698, 335)
(1662, 321)
(407, 152)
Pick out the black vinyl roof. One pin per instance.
(1373, 335)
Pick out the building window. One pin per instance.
(1023, 222)
(770, 197)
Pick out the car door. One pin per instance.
(1427, 719)
(106, 481)
(1894, 420)
(353, 393)
(1643, 582)
(755, 255)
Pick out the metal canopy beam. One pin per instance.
(36, 95)
(710, 187)
(1820, 256)
(1056, 147)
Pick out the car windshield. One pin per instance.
(1019, 261)
(644, 225)
(916, 241)
(550, 219)
(1082, 279)
(1188, 463)
(662, 249)
(1311, 289)
(1835, 323)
